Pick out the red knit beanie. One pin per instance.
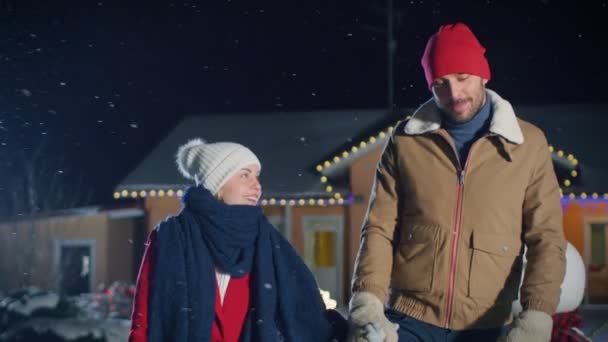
(454, 49)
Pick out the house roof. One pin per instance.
(287, 144)
(578, 130)
(297, 149)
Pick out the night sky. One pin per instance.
(99, 83)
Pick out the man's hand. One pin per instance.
(531, 325)
(367, 322)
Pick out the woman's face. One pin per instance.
(242, 188)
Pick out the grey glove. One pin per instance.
(532, 326)
(367, 322)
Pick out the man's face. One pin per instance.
(460, 96)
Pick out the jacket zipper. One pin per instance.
(455, 240)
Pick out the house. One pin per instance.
(72, 251)
(318, 167)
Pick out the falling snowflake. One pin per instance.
(26, 92)
(63, 84)
(133, 125)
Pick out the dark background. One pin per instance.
(94, 85)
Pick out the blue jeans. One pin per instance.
(413, 330)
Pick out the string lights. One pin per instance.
(352, 153)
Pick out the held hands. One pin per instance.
(531, 325)
(367, 322)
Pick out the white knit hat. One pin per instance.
(212, 164)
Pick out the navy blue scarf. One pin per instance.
(285, 300)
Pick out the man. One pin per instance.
(460, 188)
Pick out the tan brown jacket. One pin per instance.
(443, 242)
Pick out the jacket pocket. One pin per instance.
(495, 271)
(414, 261)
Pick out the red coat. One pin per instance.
(229, 317)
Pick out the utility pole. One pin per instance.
(391, 45)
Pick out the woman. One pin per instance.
(218, 271)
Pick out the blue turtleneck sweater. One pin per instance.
(465, 134)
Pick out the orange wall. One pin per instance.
(159, 208)
(122, 235)
(575, 215)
